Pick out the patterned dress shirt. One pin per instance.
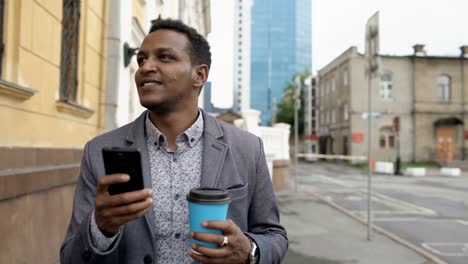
(173, 174)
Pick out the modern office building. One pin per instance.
(207, 104)
(281, 39)
(241, 60)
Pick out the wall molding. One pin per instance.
(16, 91)
(73, 108)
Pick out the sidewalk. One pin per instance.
(320, 234)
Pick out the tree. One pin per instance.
(285, 112)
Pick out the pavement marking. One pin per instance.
(411, 219)
(447, 249)
(423, 252)
(388, 212)
(327, 178)
(400, 205)
(463, 222)
(353, 198)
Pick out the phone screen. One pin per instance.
(123, 160)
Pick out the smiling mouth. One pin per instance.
(150, 83)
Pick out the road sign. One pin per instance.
(374, 115)
(372, 45)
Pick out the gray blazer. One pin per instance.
(232, 159)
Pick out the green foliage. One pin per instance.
(285, 107)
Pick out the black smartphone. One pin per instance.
(123, 160)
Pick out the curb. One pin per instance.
(379, 229)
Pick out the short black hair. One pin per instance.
(199, 50)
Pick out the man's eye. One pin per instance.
(140, 61)
(165, 57)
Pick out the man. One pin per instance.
(181, 148)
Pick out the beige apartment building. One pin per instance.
(428, 94)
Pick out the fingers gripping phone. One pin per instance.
(127, 161)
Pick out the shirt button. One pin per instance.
(177, 235)
(174, 159)
(156, 143)
(192, 140)
(176, 196)
(148, 259)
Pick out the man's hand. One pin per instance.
(235, 252)
(112, 211)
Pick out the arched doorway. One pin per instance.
(445, 137)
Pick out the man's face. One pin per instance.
(166, 77)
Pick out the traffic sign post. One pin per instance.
(372, 57)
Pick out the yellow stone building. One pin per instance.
(52, 83)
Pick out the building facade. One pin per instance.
(52, 89)
(280, 47)
(422, 97)
(241, 60)
(310, 115)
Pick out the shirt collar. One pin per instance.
(190, 136)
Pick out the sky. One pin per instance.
(339, 24)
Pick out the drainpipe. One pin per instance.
(114, 62)
(464, 54)
(413, 108)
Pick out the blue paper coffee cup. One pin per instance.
(207, 204)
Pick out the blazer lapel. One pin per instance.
(137, 139)
(214, 152)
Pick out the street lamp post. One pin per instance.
(297, 105)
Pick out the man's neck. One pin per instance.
(172, 124)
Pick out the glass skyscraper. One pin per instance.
(281, 38)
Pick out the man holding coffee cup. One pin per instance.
(182, 149)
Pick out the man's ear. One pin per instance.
(200, 75)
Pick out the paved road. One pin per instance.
(430, 212)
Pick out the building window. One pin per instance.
(345, 78)
(333, 85)
(345, 112)
(386, 86)
(333, 116)
(69, 56)
(386, 137)
(443, 87)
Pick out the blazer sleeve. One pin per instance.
(77, 246)
(264, 221)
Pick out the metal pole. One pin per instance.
(369, 169)
(296, 132)
(462, 61)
